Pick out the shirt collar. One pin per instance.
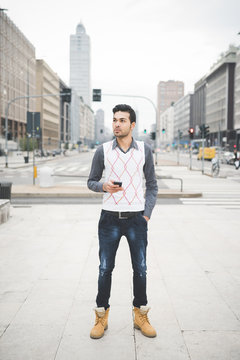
(133, 144)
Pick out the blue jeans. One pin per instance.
(110, 231)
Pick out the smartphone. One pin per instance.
(119, 183)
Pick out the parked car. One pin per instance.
(228, 158)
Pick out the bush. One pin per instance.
(32, 144)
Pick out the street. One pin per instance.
(49, 266)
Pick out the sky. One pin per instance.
(134, 43)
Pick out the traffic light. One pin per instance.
(66, 95)
(204, 129)
(179, 134)
(191, 133)
(153, 135)
(96, 94)
(163, 131)
(145, 131)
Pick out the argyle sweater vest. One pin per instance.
(127, 168)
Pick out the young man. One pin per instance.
(125, 212)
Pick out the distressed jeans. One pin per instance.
(110, 231)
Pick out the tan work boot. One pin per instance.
(141, 321)
(101, 323)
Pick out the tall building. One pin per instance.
(99, 127)
(237, 101)
(199, 105)
(168, 93)
(183, 116)
(167, 124)
(220, 98)
(17, 78)
(65, 119)
(48, 82)
(80, 63)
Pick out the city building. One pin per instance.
(220, 99)
(237, 100)
(183, 117)
(75, 118)
(99, 127)
(65, 116)
(168, 92)
(17, 78)
(167, 127)
(136, 128)
(80, 63)
(89, 126)
(199, 106)
(48, 82)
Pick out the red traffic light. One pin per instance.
(191, 130)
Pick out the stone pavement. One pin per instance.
(49, 268)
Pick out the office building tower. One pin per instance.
(80, 63)
(168, 93)
(17, 78)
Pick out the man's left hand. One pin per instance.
(146, 218)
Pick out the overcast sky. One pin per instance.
(134, 43)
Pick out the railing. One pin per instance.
(158, 177)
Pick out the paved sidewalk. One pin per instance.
(169, 175)
(49, 268)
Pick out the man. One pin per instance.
(125, 212)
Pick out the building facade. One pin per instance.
(17, 78)
(99, 127)
(167, 127)
(65, 117)
(48, 82)
(199, 105)
(237, 100)
(220, 99)
(183, 116)
(80, 63)
(168, 92)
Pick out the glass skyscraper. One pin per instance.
(80, 63)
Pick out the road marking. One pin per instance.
(60, 168)
(72, 168)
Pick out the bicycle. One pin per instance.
(215, 167)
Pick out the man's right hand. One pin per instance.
(111, 188)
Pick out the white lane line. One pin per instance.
(60, 168)
(72, 168)
(212, 203)
(84, 168)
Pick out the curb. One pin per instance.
(85, 195)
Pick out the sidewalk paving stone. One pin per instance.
(49, 270)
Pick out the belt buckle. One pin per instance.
(121, 217)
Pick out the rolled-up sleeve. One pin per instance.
(96, 171)
(151, 182)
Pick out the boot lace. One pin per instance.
(100, 319)
(144, 318)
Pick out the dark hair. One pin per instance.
(126, 108)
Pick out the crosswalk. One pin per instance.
(223, 200)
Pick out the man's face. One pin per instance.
(122, 125)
